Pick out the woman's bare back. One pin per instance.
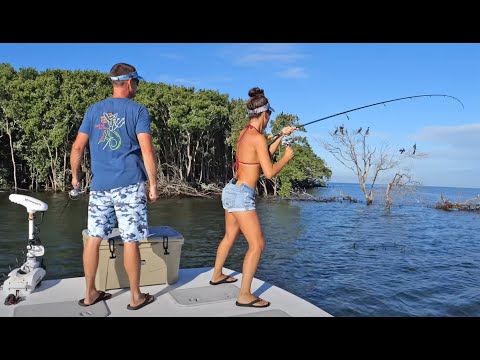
(247, 162)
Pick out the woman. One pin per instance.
(238, 196)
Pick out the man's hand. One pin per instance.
(152, 194)
(76, 180)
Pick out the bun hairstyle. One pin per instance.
(257, 99)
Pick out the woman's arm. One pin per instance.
(269, 169)
(287, 130)
(274, 146)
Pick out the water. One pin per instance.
(347, 258)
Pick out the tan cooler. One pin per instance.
(159, 254)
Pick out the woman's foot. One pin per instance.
(256, 302)
(223, 279)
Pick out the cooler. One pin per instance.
(159, 254)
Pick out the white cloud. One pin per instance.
(452, 155)
(221, 78)
(187, 82)
(171, 56)
(294, 72)
(461, 136)
(170, 79)
(250, 54)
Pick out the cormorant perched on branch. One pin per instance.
(402, 151)
(414, 148)
(359, 131)
(341, 129)
(368, 131)
(336, 130)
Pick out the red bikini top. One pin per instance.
(237, 161)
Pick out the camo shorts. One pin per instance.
(125, 206)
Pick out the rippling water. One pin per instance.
(347, 258)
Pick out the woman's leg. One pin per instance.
(252, 230)
(231, 233)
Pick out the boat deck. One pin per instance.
(191, 296)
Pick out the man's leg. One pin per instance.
(132, 267)
(90, 265)
(101, 219)
(131, 209)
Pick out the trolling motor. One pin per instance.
(28, 276)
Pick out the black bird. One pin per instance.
(341, 129)
(414, 148)
(359, 131)
(368, 131)
(401, 151)
(336, 130)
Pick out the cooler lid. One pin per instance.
(157, 233)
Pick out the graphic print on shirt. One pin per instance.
(110, 123)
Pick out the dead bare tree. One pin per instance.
(401, 184)
(353, 151)
(468, 205)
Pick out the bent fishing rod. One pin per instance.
(370, 105)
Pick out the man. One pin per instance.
(117, 131)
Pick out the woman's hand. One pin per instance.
(288, 153)
(287, 130)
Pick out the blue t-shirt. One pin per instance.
(112, 126)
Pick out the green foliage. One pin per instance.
(306, 169)
(238, 120)
(194, 131)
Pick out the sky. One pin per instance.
(316, 80)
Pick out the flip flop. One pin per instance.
(102, 295)
(148, 300)
(224, 281)
(251, 304)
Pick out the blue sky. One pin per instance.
(313, 81)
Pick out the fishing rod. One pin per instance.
(370, 105)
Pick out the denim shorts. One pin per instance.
(125, 206)
(238, 198)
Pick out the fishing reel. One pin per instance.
(75, 193)
(287, 142)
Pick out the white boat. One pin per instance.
(189, 296)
